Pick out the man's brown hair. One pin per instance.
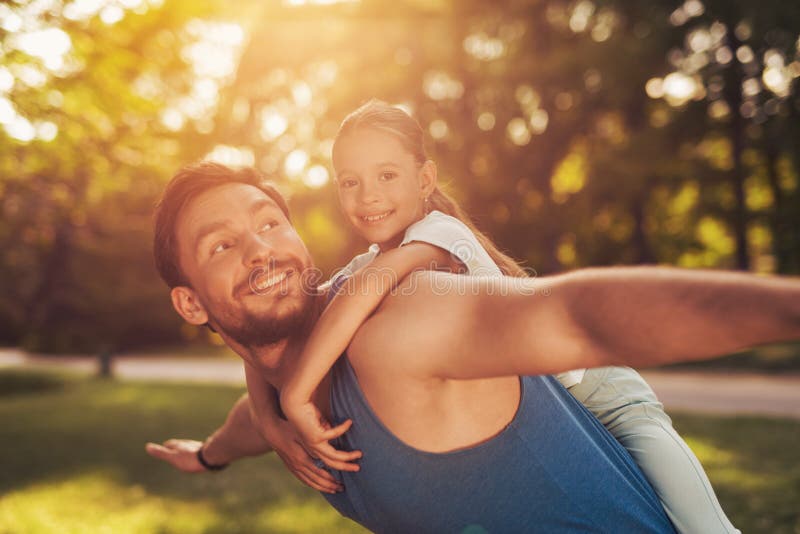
(187, 183)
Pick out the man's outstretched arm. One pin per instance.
(237, 438)
(652, 316)
(465, 328)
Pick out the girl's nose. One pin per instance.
(368, 194)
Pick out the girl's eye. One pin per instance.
(270, 225)
(347, 183)
(388, 175)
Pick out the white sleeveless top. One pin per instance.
(452, 235)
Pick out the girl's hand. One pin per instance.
(315, 432)
(286, 442)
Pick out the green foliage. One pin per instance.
(550, 121)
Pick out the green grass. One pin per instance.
(754, 466)
(73, 461)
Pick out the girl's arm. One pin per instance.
(354, 303)
(264, 411)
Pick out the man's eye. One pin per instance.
(388, 175)
(268, 226)
(220, 247)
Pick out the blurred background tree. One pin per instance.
(575, 132)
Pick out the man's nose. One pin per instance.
(258, 251)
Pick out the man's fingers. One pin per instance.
(337, 431)
(158, 451)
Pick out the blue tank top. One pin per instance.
(554, 468)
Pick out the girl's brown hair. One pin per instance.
(381, 116)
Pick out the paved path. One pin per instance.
(732, 393)
(217, 370)
(709, 392)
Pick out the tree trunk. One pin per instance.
(733, 94)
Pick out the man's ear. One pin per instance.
(428, 176)
(188, 306)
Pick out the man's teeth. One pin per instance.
(375, 218)
(269, 282)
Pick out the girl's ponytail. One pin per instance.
(441, 201)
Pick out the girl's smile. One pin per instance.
(377, 218)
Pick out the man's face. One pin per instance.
(245, 264)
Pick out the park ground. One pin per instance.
(74, 461)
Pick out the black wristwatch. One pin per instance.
(204, 463)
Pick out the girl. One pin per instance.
(388, 190)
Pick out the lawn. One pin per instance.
(73, 461)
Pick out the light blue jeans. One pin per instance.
(621, 399)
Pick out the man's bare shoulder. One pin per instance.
(422, 316)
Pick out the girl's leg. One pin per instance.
(621, 399)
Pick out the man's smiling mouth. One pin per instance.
(263, 281)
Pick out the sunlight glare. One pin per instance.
(112, 14)
(20, 129)
(538, 121)
(6, 80)
(316, 177)
(231, 155)
(438, 129)
(777, 81)
(295, 163)
(7, 111)
(518, 132)
(438, 85)
(678, 88)
(9, 21)
(46, 131)
(486, 121)
(273, 123)
(301, 93)
(49, 45)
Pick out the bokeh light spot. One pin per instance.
(518, 132)
(438, 129)
(486, 121)
(295, 163)
(316, 176)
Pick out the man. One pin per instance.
(452, 437)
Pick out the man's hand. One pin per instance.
(315, 432)
(180, 453)
(299, 462)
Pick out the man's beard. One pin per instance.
(253, 330)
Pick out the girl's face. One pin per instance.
(382, 189)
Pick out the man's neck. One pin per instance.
(276, 362)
